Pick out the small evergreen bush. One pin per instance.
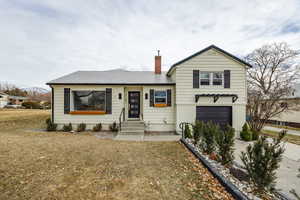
(97, 127)
(187, 131)
(225, 146)
(113, 127)
(67, 127)
(50, 126)
(81, 127)
(246, 133)
(261, 160)
(255, 135)
(208, 143)
(198, 131)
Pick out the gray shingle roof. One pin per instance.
(113, 77)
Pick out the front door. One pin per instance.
(133, 104)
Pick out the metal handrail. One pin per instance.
(182, 127)
(122, 115)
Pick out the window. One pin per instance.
(211, 78)
(160, 97)
(89, 100)
(217, 78)
(204, 78)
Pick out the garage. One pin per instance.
(221, 115)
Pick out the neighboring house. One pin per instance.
(290, 118)
(209, 85)
(6, 99)
(17, 100)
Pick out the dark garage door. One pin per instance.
(221, 115)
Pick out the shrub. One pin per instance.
(67, 127)
(113, 127)
(255, 135)
(225, 146)
(81, 127)
(198, 131)
(31, 105)
(208, 144)
(246, 133)
(261, 160)
(97, 127)
(50, 126)
(187, 131)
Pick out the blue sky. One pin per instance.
(42, 40)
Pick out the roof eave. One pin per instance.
(206, 49)
(110, 84)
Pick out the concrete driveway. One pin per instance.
(288, 171)
(292, 132)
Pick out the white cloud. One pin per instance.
(42, 40)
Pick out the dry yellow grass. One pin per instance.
(39, 165)
(295, 139)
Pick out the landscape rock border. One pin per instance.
(232, 189)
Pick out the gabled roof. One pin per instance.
(113, 77)
(206, 49)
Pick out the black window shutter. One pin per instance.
(195, 78)
(66, 100)
(169, 97)
(226, 78)
(151, 101)
(108, 100)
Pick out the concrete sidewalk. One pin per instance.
(292, 132)
(156, 138)
(288, 171)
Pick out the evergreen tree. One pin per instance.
(225, 145)
(198, 131)
(261, 160)
(208, 144)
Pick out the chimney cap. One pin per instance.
(158, 52)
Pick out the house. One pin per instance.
(6, 99)
(209, 85)
(291, 117)
(16, 100)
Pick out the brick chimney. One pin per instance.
(158, 63)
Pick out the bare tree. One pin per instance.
(270, 82)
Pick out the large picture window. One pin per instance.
(89, 100)
(160, 96)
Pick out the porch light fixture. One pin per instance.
(146, 96)
(120, 95)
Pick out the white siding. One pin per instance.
(156, 118)
(159, 118)
(185, 93)
(61, 118)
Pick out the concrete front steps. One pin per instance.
(132, 128)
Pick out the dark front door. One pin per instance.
(133, 104)
(221, 115)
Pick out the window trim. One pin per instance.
(166, 98)
(90, 112)
(211, 78)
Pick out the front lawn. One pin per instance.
(289, 138)
(39, 165)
